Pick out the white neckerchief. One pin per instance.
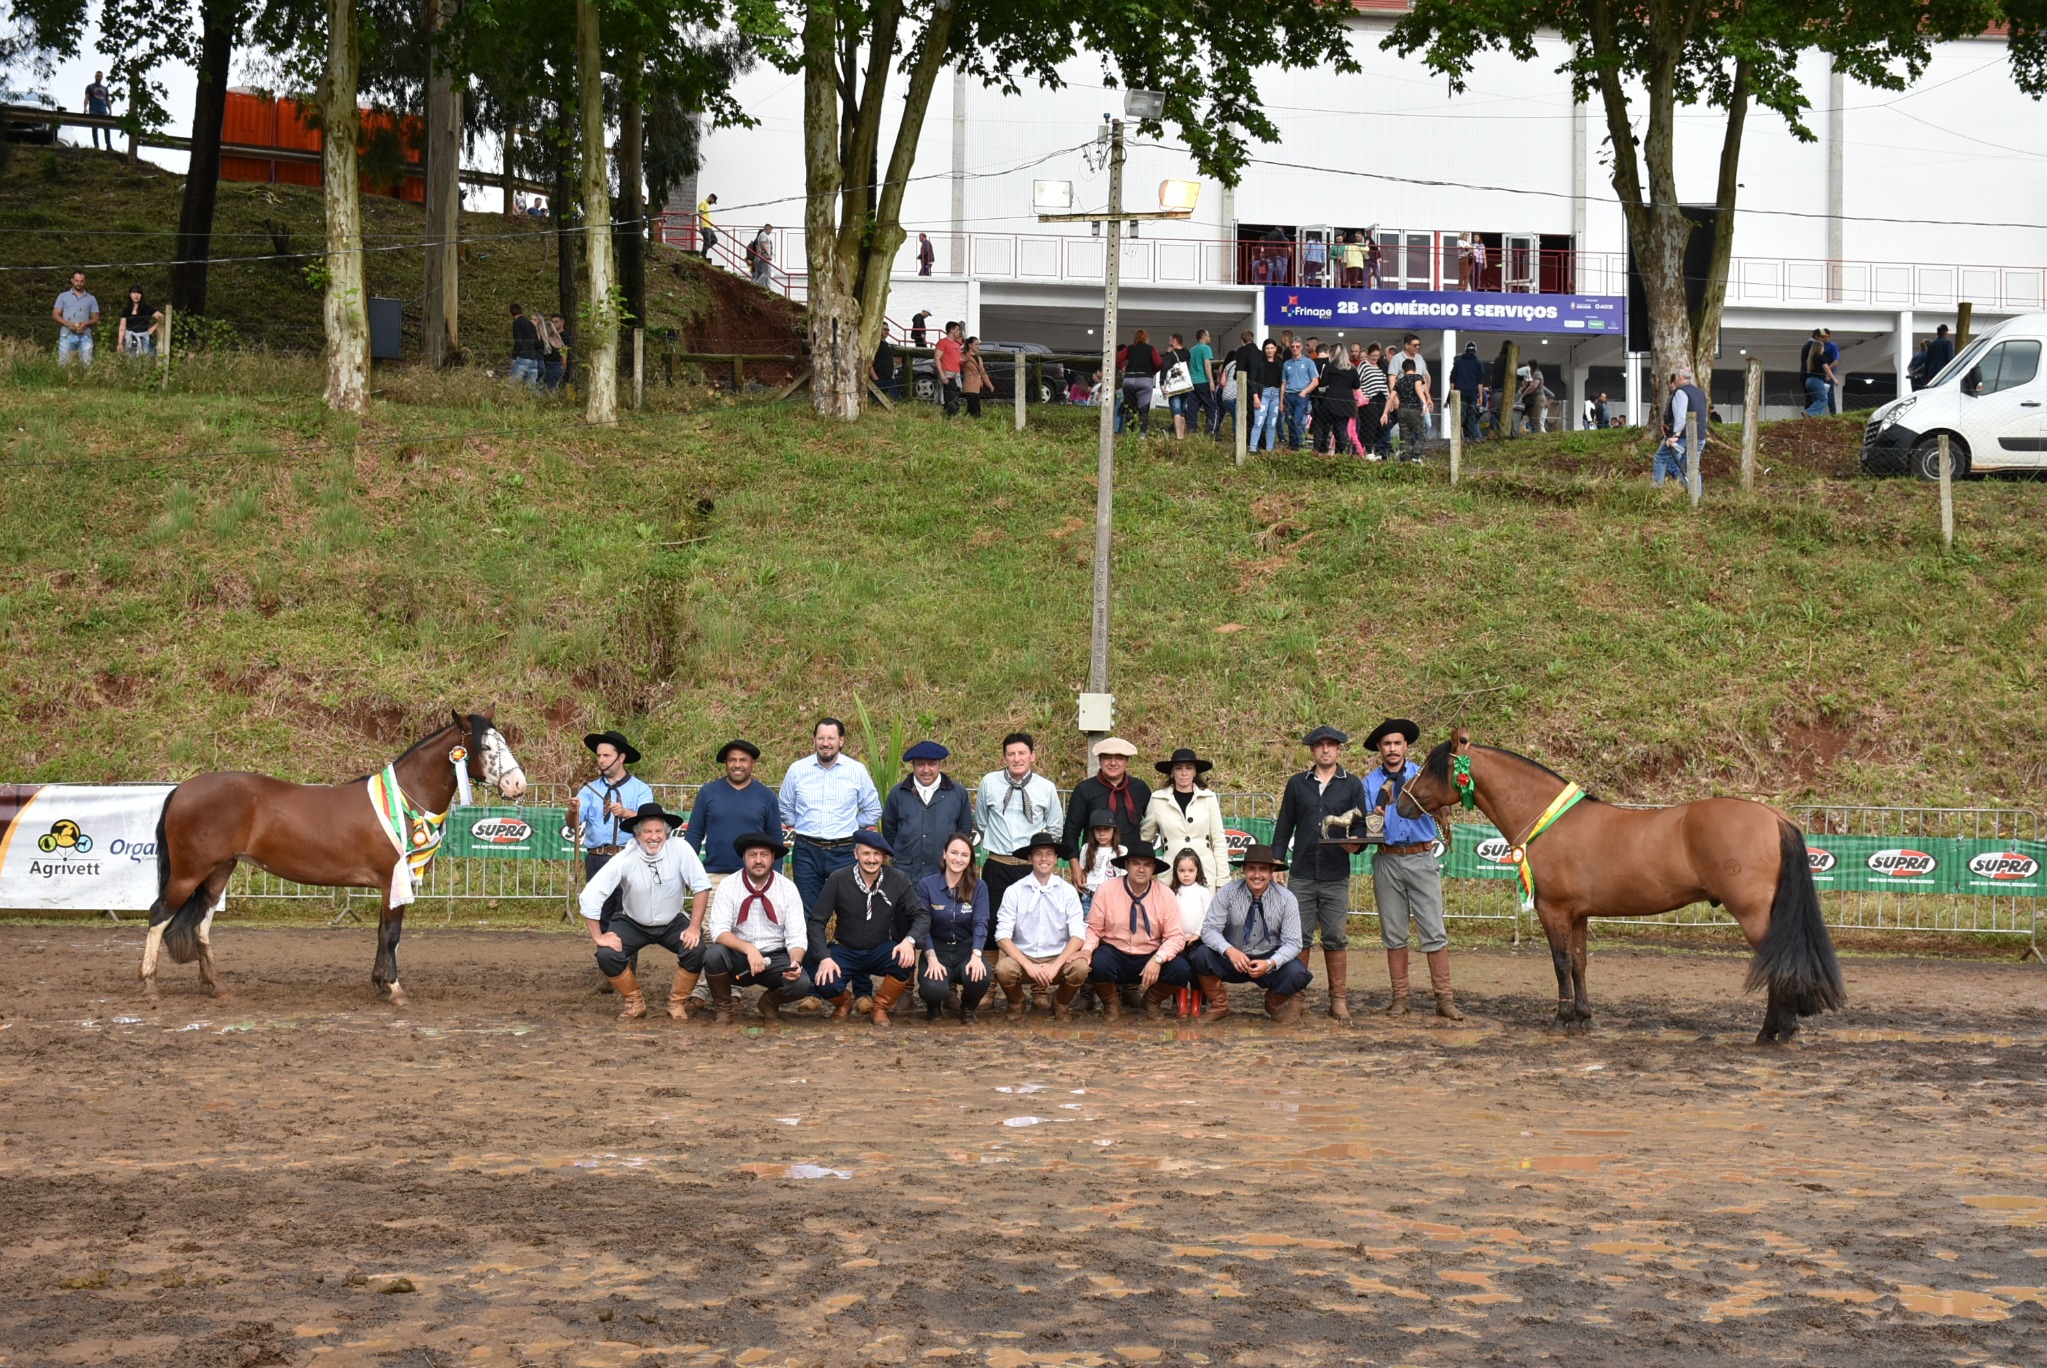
(923, 793)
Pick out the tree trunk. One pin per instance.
(836, 358)
(879, 250)
(564, 239)
(631, 237)
(1713, 301)
(221, 22)
(511, 177)
(601, 337)
(347, 322)
(443, 332)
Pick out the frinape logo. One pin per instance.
(1902, 864)
(2004, 865)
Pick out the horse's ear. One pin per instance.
(1460, 740)
(490, 714)
(461, 722)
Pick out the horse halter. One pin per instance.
(498, 763)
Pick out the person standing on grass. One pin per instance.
(526, 348)
(139, 322)
(760, 254)
(77, 314)
(1253, 935)
(707, 233)
(1339, 396)
(951, 357)
(1467, 377)
(757, 932)
(1040, 930)
(1406, 881)
(1208, 417)
(1321, 878)
(974, 379)
(602, 818)
(955, 905)
(867, 924)
(646, 883)
(1267, 381)
(1375, 402)
(1674, 456)
(730, 806)
(1134, 935)
(1186, 815)
(1412, 389)
(98, 101)
(1939, 352)
(924, 811)
(1112, 788)
(1140, 377)
(1297, 384)
(1181, 405)
(926, 255)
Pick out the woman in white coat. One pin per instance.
(1184, 815)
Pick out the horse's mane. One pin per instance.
(414, 746)
(1437, 766)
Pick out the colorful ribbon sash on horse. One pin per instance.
(415, 834)
(1560, 805)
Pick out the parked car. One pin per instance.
(1990, 402)
(1002, 373)
(19, 124)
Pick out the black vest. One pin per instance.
(1695, 398)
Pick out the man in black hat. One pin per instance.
(1134, 935)
(757, 932)
(1041, 931)
(603, 814)
(1252, 935)
(865, 922)
(729, 807)
(925, 809)
(1321, 873)
(651, 878)
(1407, 883)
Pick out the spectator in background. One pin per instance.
(1467, 276)
(537, 209)
(554, 352)
(951, 354)
(1181, 404)
(1601, 416)
(1819, 378)
(1268, 381)
(1915, 369)
(707, 232)
(1354, 261)
(137, 333)
(1819, 357)
(1140, 377)
(884, 368)
(525, 348)
(1375, 399)
(1375, 257)
(1686, 400)
(760, 254)
(77, 314)
(926, 254)
(1467, 377)
(1416, 403)
(1535, 401)
(1939, 352)
(974, 380)
(1297, 384)
(1477, 262)
(97, 101)
(1338, 391)
(918, 336)
(1207, 412)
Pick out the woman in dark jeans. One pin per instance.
(1140, 374)
(1339, 395)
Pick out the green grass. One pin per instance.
(226, 580)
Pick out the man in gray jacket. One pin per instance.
(923, 811)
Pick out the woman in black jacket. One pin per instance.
(1140, 374)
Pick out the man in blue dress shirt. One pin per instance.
(826, 797)
(605, 808)
(1406, 880)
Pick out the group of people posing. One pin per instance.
(1124, 889)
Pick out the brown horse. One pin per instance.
(1603, 861)
(327, 835)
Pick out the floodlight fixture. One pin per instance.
(1143, 104)
(1051, 196)
(1179, 195)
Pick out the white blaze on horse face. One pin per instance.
(500, 768)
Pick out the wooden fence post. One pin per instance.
(1241, 421)
(639, 367)
(1456, 435)
(1947, 495)
(1693, 455)
(166, 383)
(738, 376)
(1751, 414)
(1018, 380)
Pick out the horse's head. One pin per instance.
(1444, 781)
(490, 758)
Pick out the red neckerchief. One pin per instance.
(756, 895)
(1119, 796)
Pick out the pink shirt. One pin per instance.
(1159, 929)
(949, 352)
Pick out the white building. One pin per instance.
(1903, 206)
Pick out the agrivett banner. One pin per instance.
(79, 847)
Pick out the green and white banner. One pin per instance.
(506, 833)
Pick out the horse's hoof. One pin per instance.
(397, 996)
(217, 993)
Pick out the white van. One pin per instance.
(1990, 401)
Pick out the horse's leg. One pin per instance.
(1581, 1006)
(390, 926)
(1560, 957)
(215, 885)
(152, 945)
(1751, 912)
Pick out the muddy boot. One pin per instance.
(842, 1005)
(1337, 963)
(771, 1007)
(885, 995)
(1112, 1001)
(628, 989)
(1396, 970)
(1154, 998)
(1218, 999)
(1283, 1007)
(721, 998)
(1062, 1000)
(863, 1005)
(1015, 996)
(1439, 979)
(679, 995)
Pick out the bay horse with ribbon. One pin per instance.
(379, 831)
(1578, 857)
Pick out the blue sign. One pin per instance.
(1464, 311)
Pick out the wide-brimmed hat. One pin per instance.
(1326, 733)
(873, 838)
(925, 750)
(1101, 817)
(616, 740)
(1140, 850)
(649, 811)
(1044, 840)
(1112, 745)
(736, 744)
(1391, 726)
(1184, 756)
(1259, 853)
(757, 840)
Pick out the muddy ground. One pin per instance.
(500, 1174)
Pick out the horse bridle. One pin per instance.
(1442, 827)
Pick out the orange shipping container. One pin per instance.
(253, 120)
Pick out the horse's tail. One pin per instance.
(1796, 959)
(181, 937)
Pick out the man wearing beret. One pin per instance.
(729, 807)
(874, 927)
(1112, 789)
(1134, 935)
(603, 814)
(1041, 931)
(922, 811)
(1253, 935)
(1321, 873)
(757, 932)
(1406, 881)
(653, 876)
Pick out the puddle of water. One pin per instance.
(1627, 1248)
(1994, 1202)
(1746, 1301)
(793, 1171)
(1975, 1306)
(1566, 1163)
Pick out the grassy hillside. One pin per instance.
(201, 580)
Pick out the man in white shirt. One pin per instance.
(1011, 806)
(757, 932)
(1041, 930)
(654, 875)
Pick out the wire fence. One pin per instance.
(450, 883)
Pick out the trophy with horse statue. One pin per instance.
(1354, 830)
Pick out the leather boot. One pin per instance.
(1439, 979)
(771, 1007)
(842, 1005)
(1218, 996)
(1155, 997)
(679, 995)
(885, 995)
(1112, 1001)
(628, 989)
(1019, 1003)
(1337, 963)
(1062, 1000)
(1283, 1007)
(1396, 970)
(721, 998)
